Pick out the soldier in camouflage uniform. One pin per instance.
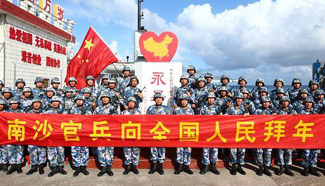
(27, 98)
(131, 154)
(55, 155)
(319, 99)
(72, 82)
(210, 109)
(266, 160)
(157, 153)
(55, 83)
(37, 154)
(7, 95)
(3, 150)
(123, 82)
(211, 87)
(224, 80)
(298, 102)
(20, 84)
(223, 101)
(242, 82)
(293, 93)
(49, 93)
(15, 152)
(262, 92)
(90, 98)
(237, 108)
(248, 104)
(278, 83)
(285, 155)
(309, 157)
(105, 154)
(255, 91)
(313, 86)
(200, 95)
(185, 88)
(104, 84)
(132, 91)
(38, 90)
(68, 98)
(183, 153)
(90, 81)
(191, 76)
(80, 155)
(113, 92)
(276, 101)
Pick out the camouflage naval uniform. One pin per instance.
(67, 101)
(200, 95)
(131, 91)
(37, 154)
(38, 91)
(58, 91)
(319, 102)
(26, 102)
(3, 150)
(183, 89)
(210, 110)
(293, 93)
(47, 100)
(123, 82)
(255, 91)
(17, 92)
(131, 154)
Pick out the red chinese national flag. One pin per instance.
(93, 56)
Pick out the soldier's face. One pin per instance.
(126, 73)
(184, 102)
(303, 95)
(37, 105)
(112, 85)
(105, 81)
(245, 95)
(68, 94)
(211, 101)
(266, 104)
(55, 85)
(314, 87)
(27, 94)
(208, 79)
(55, 104)
(191, 72)
(223, 93)
(20, 85)
(224, 81)
(49, 94)
(158, 101)
(79, 102)
(87, 95)
(6, 95)
(263, 94)
(134, 82)
(242, 83)
(184, 81)
(320, 97)
(72, 83)
(105, 100)
(297, 85)
(131, 104)
(285, 104)
(14, 106)
(259, 84)
(90, 82)
(280, 95)
(278, 84)
(201, 84)
(309, 105)
(39, 84)
(239, 101)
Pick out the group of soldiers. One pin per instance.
(196, 95)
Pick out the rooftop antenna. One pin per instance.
(140, 15)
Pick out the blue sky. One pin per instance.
(248, 38)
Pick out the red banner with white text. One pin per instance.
(258, 131)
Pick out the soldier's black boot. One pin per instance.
(127, 169)
(153, 168)
(160, 169)
(267, 171)
(61, 170)
(178, 168)
(281, 170)
(1, 167)
(19, 168)
(109, 170)
(240, 170)
(54, 170)
(204, 169)
(214, 169)
(306, 171)
(5, 167)
(260, 170)
(102, 171)
(288, 170)
(233, 169)
(12, 169)
(187, 169)
(314, 172)
(76, 172)
(134, 169)
(41, 168)
(83, 170)
(32, 170)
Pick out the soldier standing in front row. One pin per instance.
(3, 150)
(158, 154)
(131, 154)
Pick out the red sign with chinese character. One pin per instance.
(282, 131)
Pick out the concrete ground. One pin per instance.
(169, 178)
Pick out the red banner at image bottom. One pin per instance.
(256, 131)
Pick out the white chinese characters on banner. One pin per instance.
(158, 77)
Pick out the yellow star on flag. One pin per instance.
(89, 44)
